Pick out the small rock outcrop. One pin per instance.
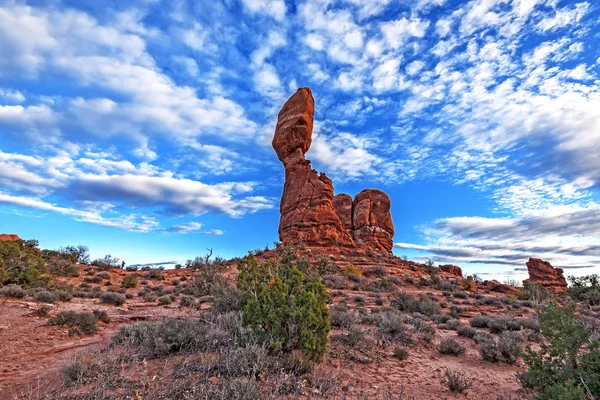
(544, 274)
(452, 269)
(310, 213)
(8, 237)
(495, 286)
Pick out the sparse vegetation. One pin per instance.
(130, 281)
(456, 381)
(112, 298)
(451, 347)
(85, 323)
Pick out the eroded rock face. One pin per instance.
(371, 220)
(307, 213)
(9, 237)
(544, 274)
(495, 286)
(310, 214)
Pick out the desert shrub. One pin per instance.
(424, 305)
(284, 307)
(359, 299)
(130, 281)
(186, 301)
(43, 310)
(378, 270)
(456, 381)
(155, 274)
(22, 263)
(103, 275)
(480, 321)
(62, 267)
(400, 353)
(183, 278)
(452, 324)
(340, 316)
(160, 339)
(488, 348)
(79, 370)
(378, 299)
(112, 298)
(585, 288)
(352, 271)
(466, 331)
(392, 327)
(226, 298)
(81, 322)
(499, 325)
(355, 336)
(74, 254)
(107, 262)
(451, 347)
(445, 285)
(533, 292)
(460, 295)
(12, 290)
(335, 281)
(92, 279)
(467, 284)
(45, 296)
(164, 300)
(102, 316)
(150, 297)
(509, 346)
(568, 362)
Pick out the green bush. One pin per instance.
(285, 308)
(567, 366)
(400, 353)
(130, 281)
(456, 381)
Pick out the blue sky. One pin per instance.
(142, 128)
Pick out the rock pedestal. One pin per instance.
(310, 214)
(544, 274)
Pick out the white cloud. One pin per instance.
(397, 32)
(274, 8)
(564, 17)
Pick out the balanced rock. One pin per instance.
(307, 213)
(310, 214)
(544, 274)
(8, 237)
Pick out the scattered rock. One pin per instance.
(214, 380)
(495, 286)
(310, 214)
(452, 269)
(544, 274)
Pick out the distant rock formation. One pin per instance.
(310, 214)
(8, 237)
(495, 286)
(452, 269)
(544, 274)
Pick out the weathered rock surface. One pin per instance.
(371, 220)
(7, 237)
(310, 214)
(452, 269)
(544, 274)
(495, 286)
(307, 213)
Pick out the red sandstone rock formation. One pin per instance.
(307, 212)
(495, 286)
(371, 220)
(310, 213)
(542, 273)
(7, 237)
(452, 269)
